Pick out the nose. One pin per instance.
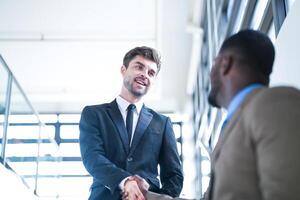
(144, 77)
(144, 74)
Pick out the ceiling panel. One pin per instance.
(63, 18)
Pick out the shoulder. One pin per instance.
(99, 108)
(155, 114)
(274, 96)
(92, 113)
(273, 109)
(277, 94)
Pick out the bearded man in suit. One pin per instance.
(124, 139)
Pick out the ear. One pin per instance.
(123, 70)
(226, 64)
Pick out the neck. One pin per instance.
(130, 99)
(125, 94)
(236, 89)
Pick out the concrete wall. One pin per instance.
(287, 63)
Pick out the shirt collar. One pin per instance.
(239, 97)
(123, 104)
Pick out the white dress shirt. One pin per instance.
(123, 105)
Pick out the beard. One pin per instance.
(216, 83)
(135, 92)
(212, 98)
(215, 92)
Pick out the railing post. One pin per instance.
(6, 114)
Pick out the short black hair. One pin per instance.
(255, 47)
(146, 52)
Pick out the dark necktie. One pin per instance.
(129, 120)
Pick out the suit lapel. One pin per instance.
(227, 131)
(231, 124)
(116, 116)
(142, 124)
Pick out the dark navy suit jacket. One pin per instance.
(107, 156)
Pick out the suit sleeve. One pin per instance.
(276, 135)
(170, 166)
(93, 153)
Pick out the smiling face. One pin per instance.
(138, 77)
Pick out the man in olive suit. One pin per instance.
(257, 154)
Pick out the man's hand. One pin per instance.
(131, 190)
(142, 183)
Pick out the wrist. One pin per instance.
(129, 180)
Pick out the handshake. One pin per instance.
(136, 188)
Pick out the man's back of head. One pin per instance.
(245, 58)
(254, 49)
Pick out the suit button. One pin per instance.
(129, 159)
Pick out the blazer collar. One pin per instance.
(232, 122)
(116, 116)
(123, 104)
(227, 131)
(142, 124)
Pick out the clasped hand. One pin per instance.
(135, 188)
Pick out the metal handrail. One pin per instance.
(12, 80)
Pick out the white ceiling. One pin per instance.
(68, 53)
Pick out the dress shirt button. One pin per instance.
(129, 159)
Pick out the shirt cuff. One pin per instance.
(121, 185)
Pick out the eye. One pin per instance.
(151, 73)
(140, 67)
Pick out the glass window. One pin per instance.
(48, 118)
(72, 168)
(49, 186)
(48, 132)
(230, 8)
(69, 149)
(75, 187)
(48, 151)
(3, 86)
(289, 4)
(240, 16)
(28, 118)
(17, 151)
(179, 148)
(49, 168)
(205, 183)
(24, 168)
(271, 32)
(258, 14)
(190, 174)
(1, 134)
(69, 132)
(1, 119)
(23, 132)
(69, 118)
(205, 167)
(177, 130)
